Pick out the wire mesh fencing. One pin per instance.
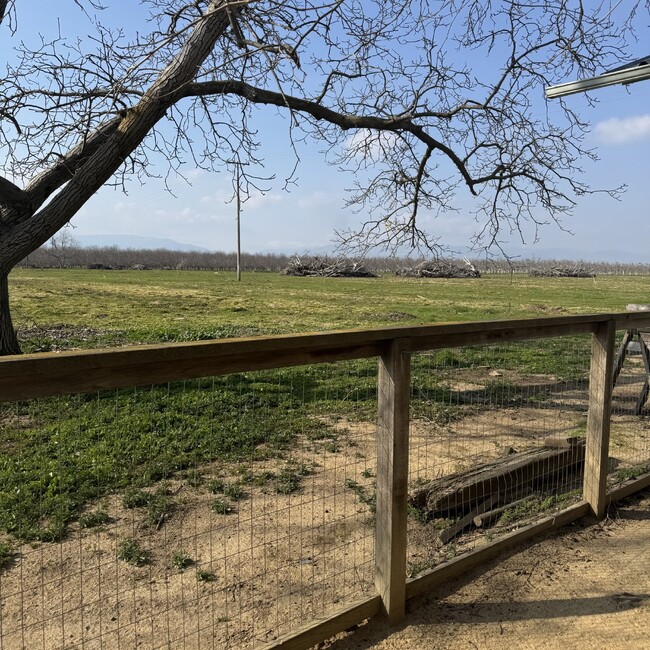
(229, 511)
(497, 441)
(221, 512)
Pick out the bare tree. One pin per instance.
(386, 87)
(61, 247)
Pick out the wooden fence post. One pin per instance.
(598, 418)
(394, 388)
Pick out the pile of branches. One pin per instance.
(563, 272)
(440, 269)
(324, 268)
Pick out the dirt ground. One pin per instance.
(584, 587)
(280, 560)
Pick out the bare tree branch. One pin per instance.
(320, 112)
(387, 89)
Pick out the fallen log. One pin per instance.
(561, 443)
(487, 519)
(505, 478)
(448, 534)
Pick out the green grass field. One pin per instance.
(59, 455)
(138, 306)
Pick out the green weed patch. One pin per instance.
(79, 448)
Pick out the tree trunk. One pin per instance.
(23, 230)
(8, 339)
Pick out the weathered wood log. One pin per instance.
(538, 468)
(561, 443)
(487, 519)
(448, 534)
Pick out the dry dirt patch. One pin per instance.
(586, 586)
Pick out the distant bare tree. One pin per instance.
(61, 246)
(385, 87)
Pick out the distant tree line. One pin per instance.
(546, 267)
(114, 258)
(66, 253)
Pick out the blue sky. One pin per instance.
(305, 218)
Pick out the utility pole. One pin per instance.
(238, 174)
(238, 165)
(238, 169)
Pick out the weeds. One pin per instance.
(630, 473)
(217, 486)
(7, 555)
(193, 478)
(287, 482)
(181, 561)
(222, 507)
(290, 478)
(130, 551)
(418, 514)
(205, 576)
(535, 505)
(94, 519)
(416, 568)
(135, 498)
(263, 478)
(159, 507)
(234, 491)
(365, 495)
(159, 504)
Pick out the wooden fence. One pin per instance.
(44, 375)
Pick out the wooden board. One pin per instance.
(455, 494)
(45, 374)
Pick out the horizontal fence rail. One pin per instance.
(350, 489)
(45, 374)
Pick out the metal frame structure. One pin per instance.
(630, 73)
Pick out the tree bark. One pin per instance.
(8, 339)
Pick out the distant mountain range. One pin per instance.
(148, 243)
(611, 256)
(136, 242)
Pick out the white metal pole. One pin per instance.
(238, 226)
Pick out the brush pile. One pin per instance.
(440, 269)
(324, 268)
(563, 272)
